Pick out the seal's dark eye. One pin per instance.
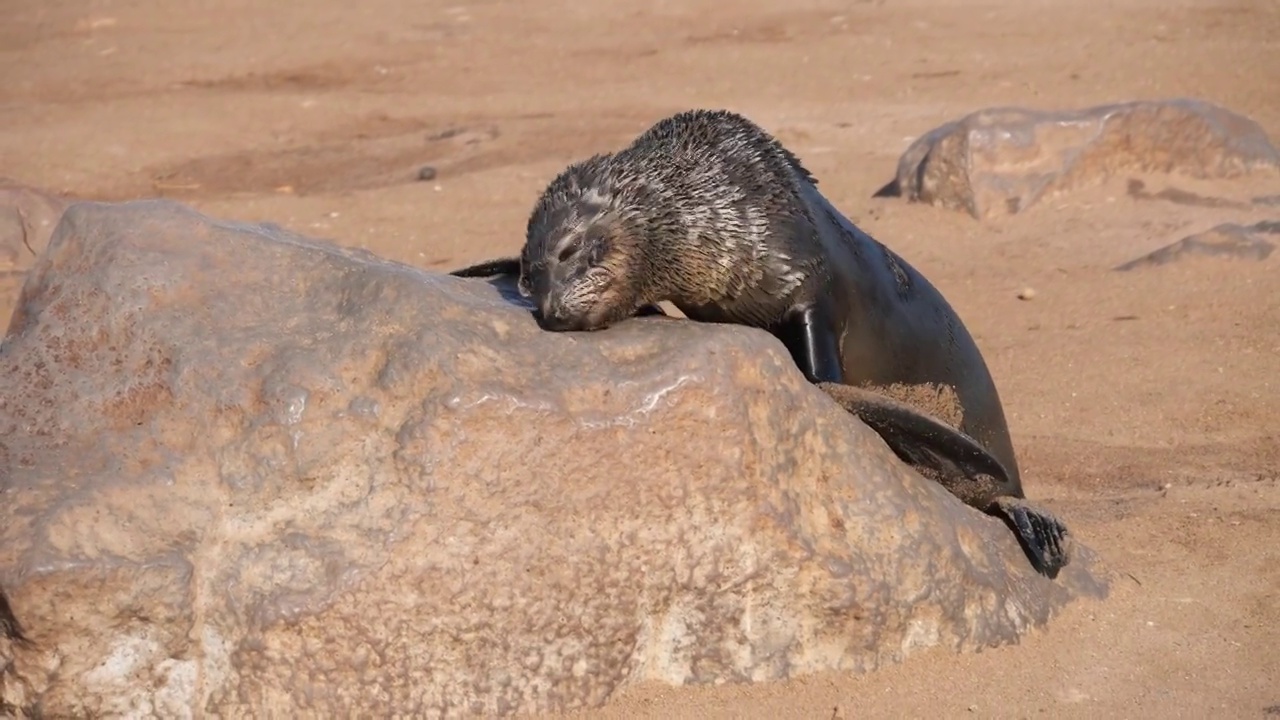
(570, 250)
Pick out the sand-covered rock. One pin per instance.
(27, 218)
(1253, 242)
(248, 472)
(1001, 161)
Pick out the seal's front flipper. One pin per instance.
(809, 334)
(935, 449)
(490, 268)
(1044, 537)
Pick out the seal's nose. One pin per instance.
(552, 316)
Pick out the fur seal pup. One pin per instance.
(708, 211)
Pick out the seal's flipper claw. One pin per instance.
(1044, 537)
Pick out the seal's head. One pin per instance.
(581, 262)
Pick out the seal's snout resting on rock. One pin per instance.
(708, 211)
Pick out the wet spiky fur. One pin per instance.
(703, 209)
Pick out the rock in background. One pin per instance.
(248, 472)
(1000, 161)
(1228, 240)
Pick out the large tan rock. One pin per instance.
(248, 471)
(1000, 161)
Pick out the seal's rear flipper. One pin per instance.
(961, 465)
(934, 448)
(490, 268)
(1044, 537)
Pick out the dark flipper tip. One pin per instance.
(490, 268)
(1044, 537)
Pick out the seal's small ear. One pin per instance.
(934, 448)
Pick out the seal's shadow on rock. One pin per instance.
(506, 287)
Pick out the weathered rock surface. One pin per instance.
(1228, 240)
(247, 471)
(1000, 161)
